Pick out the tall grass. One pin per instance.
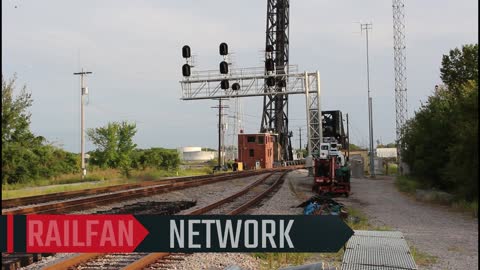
(468, 207)
(96, 177)
(93, 175)
(407, 184)
(410, 185)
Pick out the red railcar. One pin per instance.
(330, 177)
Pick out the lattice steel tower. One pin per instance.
(400, 70)
(275, 107)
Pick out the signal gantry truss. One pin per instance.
(206, 85)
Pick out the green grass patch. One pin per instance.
(357, 220)
(95, 178)
(276, 260)
(410, 185)
(467, 207)
(93, 175)
(17, 193)
(421, 258)
(406, 184)
(153, 174)
(392, 169)
(49, 182)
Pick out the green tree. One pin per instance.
(159, 158)
(302, 152)
(462, 168)
(354, 147)
(15, 117)
(440, 143)
(459, 67)
(25, 156)
(106, 140)
(115, 146)
(17, 139)
(125, 148)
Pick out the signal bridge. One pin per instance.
(251, 82)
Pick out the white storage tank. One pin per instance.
(195, 153)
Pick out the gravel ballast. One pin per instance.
(218, 261)
(203, 195)
(284, 201)
(439, 231)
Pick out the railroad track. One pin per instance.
(235, 204)
(80, 200)
(65, 202)
(38, 199)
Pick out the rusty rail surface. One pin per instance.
(258, 198)
(91, 202)
(216, 204)
(37, 199)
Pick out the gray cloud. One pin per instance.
(133, 48)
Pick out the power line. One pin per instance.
(221, 132)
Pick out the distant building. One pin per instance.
(387, 152)
(194, 153)
(256, 150)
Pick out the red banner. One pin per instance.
(83, 233)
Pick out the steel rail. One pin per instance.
(153, 257)
(15, 202)
(91, 202)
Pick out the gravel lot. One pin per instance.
(436, 230)
(450, 236)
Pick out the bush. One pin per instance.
(440, 143)
(406, 184)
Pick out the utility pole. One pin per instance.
(366, 27)
(221, 129)
(236, 128)
(83, 93)
(348, 139)
(300, 135)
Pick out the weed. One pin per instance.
(421, 258)
(277, 260)
(406, 184)
(468, 207)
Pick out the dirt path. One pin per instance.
(450, 236)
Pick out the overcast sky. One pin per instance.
(133, 49)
